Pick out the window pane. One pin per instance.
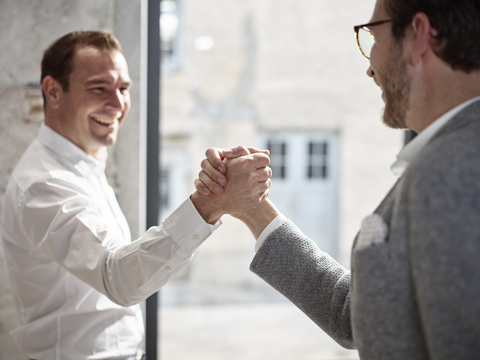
(317, 165)
(278, 151)
(170, 34)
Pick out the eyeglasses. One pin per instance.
(365, 38)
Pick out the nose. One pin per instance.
(370, 72)
(116, 100)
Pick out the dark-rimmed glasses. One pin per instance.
(365, 38)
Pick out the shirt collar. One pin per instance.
(414, 147)
(70, 155)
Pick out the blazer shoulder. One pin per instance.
(458, 149)
(449, 163)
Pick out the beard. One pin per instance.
(396, 90)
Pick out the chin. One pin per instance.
(394, 120)
(109, 140)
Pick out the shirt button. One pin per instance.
(167, 268)
(196, 237)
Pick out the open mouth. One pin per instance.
(105, 121)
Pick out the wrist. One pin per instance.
(258, 218)
(206, 207)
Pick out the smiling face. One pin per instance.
(97, 101)
(388, 69)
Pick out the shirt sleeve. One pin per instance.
(310, 278)
(274, 224)
(64, 222)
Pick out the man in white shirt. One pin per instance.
(414, 284)
(77, 277)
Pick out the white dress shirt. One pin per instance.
(404, 158)
(76, 275)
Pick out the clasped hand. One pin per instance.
(232, 181)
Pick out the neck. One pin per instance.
(55, 124)
(443, 89)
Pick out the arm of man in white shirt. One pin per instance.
(64, 223)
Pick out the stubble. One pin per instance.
(396, 89)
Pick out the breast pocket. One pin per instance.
(370, 256)
(374, 232)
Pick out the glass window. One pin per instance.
(278, 151)
(170, 34)
(317, 163)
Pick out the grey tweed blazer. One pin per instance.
(414, 288)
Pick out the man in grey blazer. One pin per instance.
(413, 291)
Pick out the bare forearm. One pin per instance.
(207, 207)
(259, 217)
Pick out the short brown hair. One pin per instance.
(58, 58)
(456, 21)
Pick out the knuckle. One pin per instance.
(242, 150)
(204, 163)
(261, 160)
(267, 159)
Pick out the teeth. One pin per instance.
(106, 121)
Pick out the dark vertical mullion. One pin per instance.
(284, 159)
(153, 155)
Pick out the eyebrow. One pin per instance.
(126, 83)
(97, 82)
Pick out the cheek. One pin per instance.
(378, 56)
(374, 59)
(127, 105)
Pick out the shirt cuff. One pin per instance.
(187, 227)
(274, 224)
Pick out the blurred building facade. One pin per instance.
(283, 75)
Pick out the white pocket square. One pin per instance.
(373, 232)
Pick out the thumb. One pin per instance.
(236, 152)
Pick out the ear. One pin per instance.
(52, 91)
(422, 32)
